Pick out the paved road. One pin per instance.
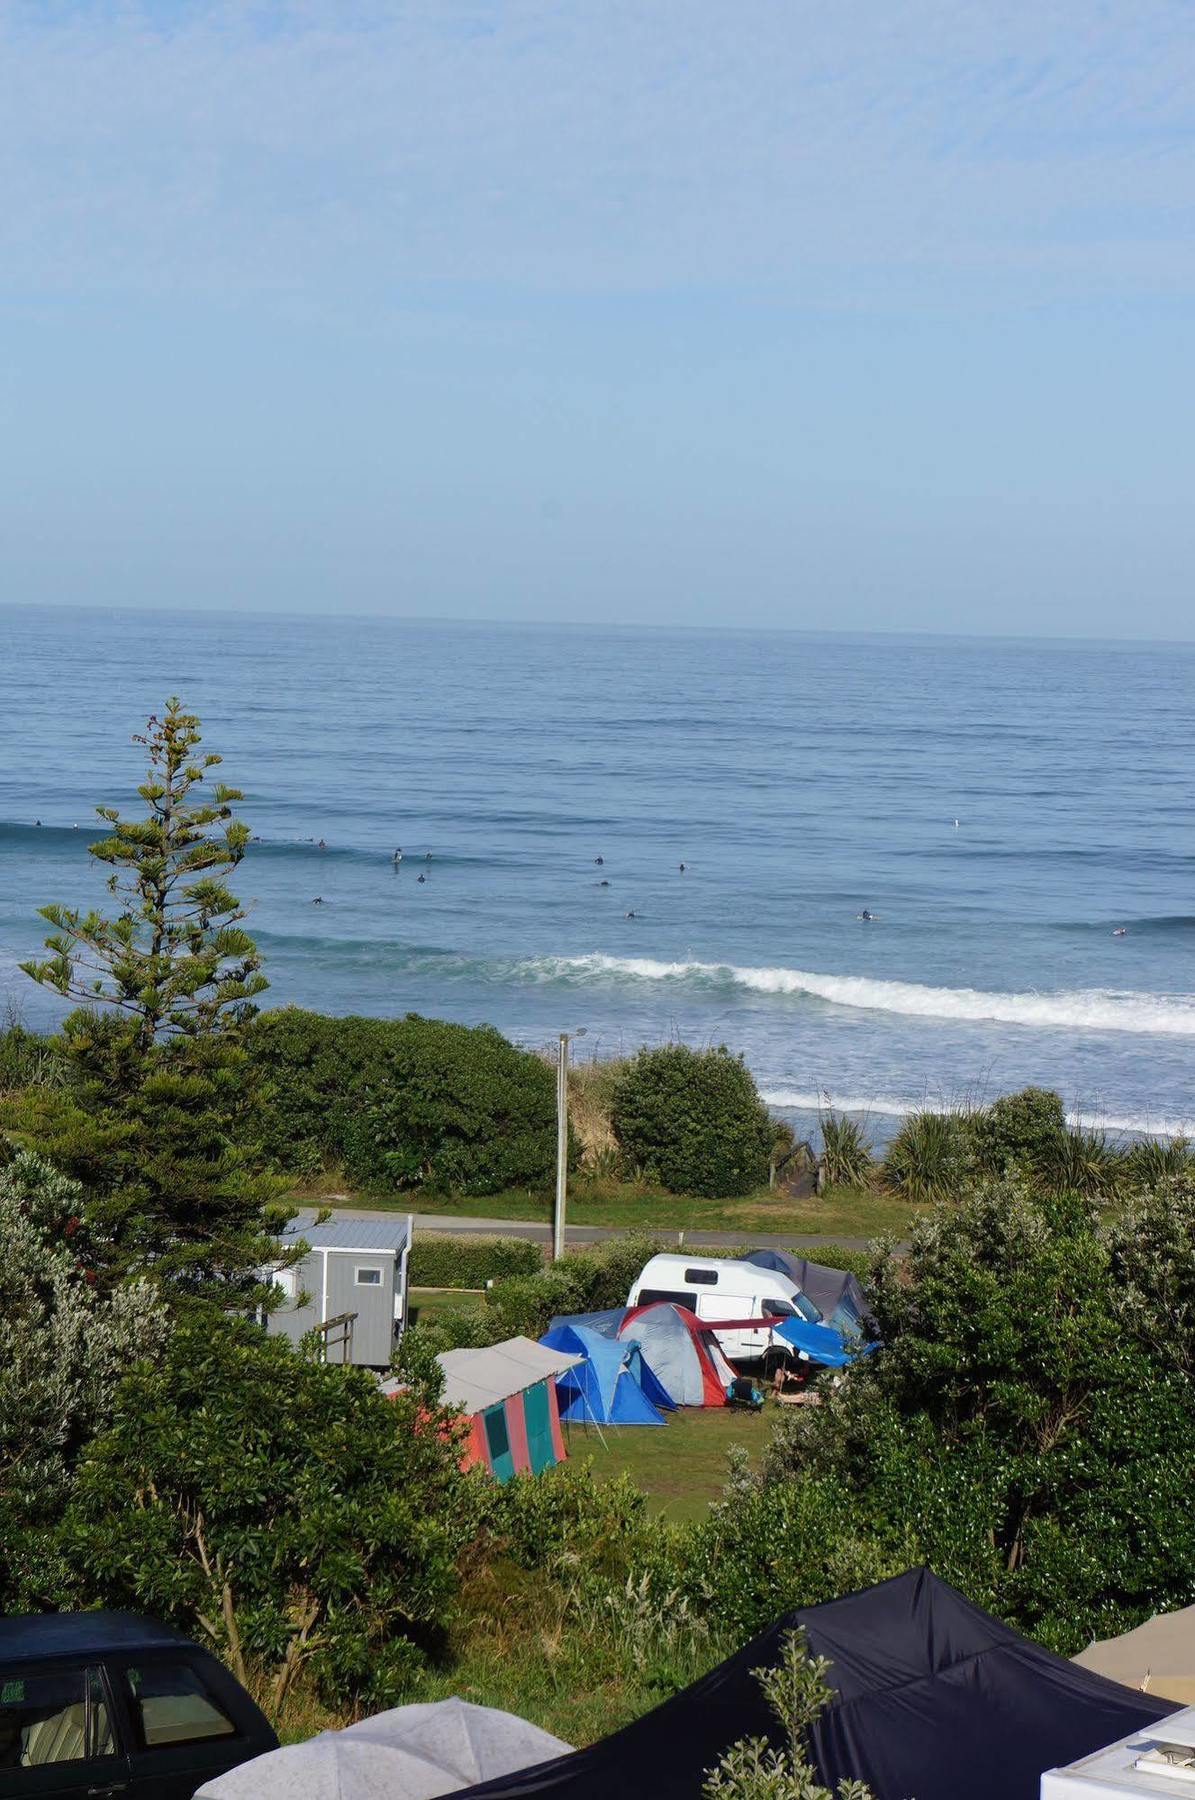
(541, 1232)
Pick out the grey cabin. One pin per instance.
(351, 1287)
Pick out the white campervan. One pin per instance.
(718, 1289)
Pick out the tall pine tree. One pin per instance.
(159, 1086)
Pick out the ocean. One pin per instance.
(1001, 807)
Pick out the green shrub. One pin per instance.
(693, 1120)
(402, 1103)
(1155, 1160)
(277, 1509)
(588, 1280)
(443, 1261)
(846, 1159)
(929, 1158)
(1023, 1131)
(1087, 1163)
(28, 1060)
(309, 1069)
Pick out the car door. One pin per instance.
(183, 1721)
(59, 1733)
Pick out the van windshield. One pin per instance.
(804, 1305)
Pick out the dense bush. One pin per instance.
(27, 1060)
(278, 1509)
(441, 1260)
(64, 1346)
(693, 1120)
(1023, 1131)
(1018, 1430)
(588, 1280)
(403, 1103)
(309, 1068)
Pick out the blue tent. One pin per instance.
(606, 1323)
(602, 1389)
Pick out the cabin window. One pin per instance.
(288, 1280)
(702, 1277)
(369, 1278)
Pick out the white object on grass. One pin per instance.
(409, 1753)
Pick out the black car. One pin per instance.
(108, 1704)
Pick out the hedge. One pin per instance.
(442, 1261)
(401, 1103)
(694, 1121)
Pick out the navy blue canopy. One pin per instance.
(835, 1292)
(934, 1699)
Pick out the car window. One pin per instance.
(808, 1311)
(171, 1705)
(649, 1297)
(53, 1716)
(779, 1309)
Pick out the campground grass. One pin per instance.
(625, 1206)
(681, 1465)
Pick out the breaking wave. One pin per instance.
(888, 1106)
(1094, 1009)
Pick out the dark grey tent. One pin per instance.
(835, 1292)
(934, 1700)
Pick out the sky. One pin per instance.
(859, 315)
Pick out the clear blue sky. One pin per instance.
(707, 311)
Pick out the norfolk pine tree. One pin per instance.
(160, 1080)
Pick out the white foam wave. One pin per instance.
(888, 1106)
(1093, 1009)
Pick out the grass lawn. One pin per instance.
(681, 1465)
(427, 1304)
(629, 1208)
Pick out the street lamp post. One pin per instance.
(561, 1141)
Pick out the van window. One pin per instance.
(649, 1297)
(53, 1716)
(171, 1705)
(779, 1309)
(702, 1277)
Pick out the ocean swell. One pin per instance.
(1094, 1009)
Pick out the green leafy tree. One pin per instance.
(1025, 1131)
(796, 1691)
(150, 1113)
(64, 1347)
(694, 1121)
(174, 957)
(282, 1510)
(1021, 1428)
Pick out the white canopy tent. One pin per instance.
(410, 1753)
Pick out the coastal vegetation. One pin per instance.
(1024, 1428)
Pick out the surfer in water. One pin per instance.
(421, 878)
(1120, 931)
(398, 856)
(866, 916)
